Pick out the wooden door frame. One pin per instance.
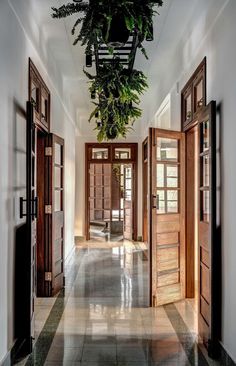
(144, 183)
(111, 160)
(191, 249)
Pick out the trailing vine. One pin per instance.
(118, 93)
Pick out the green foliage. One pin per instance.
(117, 90)
(118, 93)
(96, 16)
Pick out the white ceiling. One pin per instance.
(169, 29)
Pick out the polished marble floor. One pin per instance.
(102, 317)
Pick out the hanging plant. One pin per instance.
(110, 21)
(118, 93)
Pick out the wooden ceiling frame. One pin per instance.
(125, 54)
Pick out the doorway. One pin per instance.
(49, 173)
(110, 199)
(111, 192)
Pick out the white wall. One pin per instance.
(211, 32)
(16, 47)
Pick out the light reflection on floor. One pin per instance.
(106, 319)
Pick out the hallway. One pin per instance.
(102, 317)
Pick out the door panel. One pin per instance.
(31, 220)
(31, 202)
(54, 216)
(128, 202)
(209, 251)
(167, 199)
(145, 189)
(100, 202)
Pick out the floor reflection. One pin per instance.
(105, 318)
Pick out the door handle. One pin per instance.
(36, 201)
(155, 201)
(22, 213)
(35, 208)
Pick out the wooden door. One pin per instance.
(191, 216)
(145, 190)
(100, 193)
(31, 220)
(128, 202)
(167, 208)
(54, 211)
(209, 252)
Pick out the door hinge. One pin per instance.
(48, 276)
(48, 151)
(48, 209)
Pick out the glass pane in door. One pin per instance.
(167, 149)
(204, 136)
(167, 176)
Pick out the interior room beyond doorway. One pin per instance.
(111, 191)
(111, 195)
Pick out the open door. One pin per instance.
(209, 244)
(28, 209)
(31, 219)
(166, 208)
(54, 211)
(128, 202)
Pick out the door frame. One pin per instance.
(111, 160)
(191, 252)
(145, 189)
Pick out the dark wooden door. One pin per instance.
(167, 208)
(191, 215)
(54, 211)
(128, 202)
(145, 190)
(209, 271)
(31, 219)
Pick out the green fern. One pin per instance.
(96, 15)
(118, 93)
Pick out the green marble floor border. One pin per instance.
(46, 336)
(187, 340)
